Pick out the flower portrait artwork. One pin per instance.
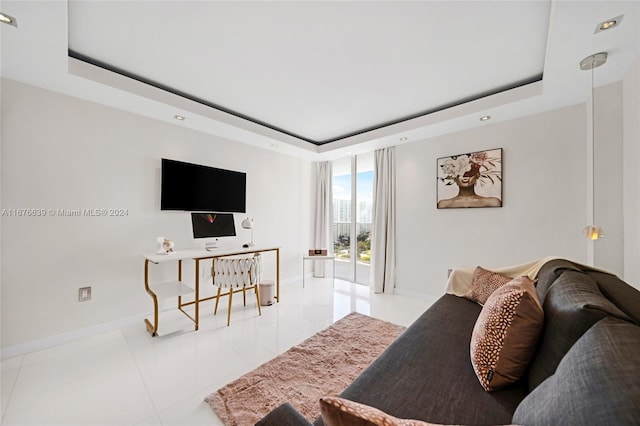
(470, 180)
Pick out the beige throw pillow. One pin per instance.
(484, 283)
(506, 333)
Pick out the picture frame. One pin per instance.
(469, 180)
(317, 252)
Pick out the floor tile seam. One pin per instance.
(236, 347)
(228, 379)
(251, 361)
(73, 386)
(13, 387)
(144, 382)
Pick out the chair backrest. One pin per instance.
(237, 272)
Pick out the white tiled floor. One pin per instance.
(126, 377)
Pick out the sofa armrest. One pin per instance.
(284, 415)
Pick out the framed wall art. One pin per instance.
(470, 180)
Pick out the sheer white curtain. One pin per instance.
(322, 214)
(383, 233)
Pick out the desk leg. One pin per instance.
(197, 296)
(180, 279)
(151, 328)
(278, 275)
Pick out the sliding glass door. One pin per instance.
(342, 201)
(352, 211)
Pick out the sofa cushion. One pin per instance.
(342, 412)
(548, 274)
(484, 283)
(572, 305)
(506, 333)
(284, 415)
(625, 297)
(597, 382)
(426, 374)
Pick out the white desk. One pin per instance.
(178, 288)
(305, 258)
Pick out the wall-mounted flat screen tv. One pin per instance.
(213, 225)
(193, 187)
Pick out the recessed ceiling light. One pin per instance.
(7, 19)
(404, 138)
(273, 145)
(178, 117)
(608, 24)
(485, 118)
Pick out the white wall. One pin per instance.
(608, 178)
(60, 152)
(543, 209)
(631, 180)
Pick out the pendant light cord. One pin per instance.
(593, 145)
(593, 231)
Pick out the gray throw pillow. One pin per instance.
(573, 304)
(596, 383)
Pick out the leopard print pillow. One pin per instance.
(506, 334)
(342, 412)
(484, 283)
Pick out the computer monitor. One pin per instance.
(213, 225)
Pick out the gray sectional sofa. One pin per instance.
(586, 369)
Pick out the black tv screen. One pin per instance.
(213, 225)
(193, 187)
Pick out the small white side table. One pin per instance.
(305, 258)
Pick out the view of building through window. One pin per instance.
(352, 217)
(342, 220)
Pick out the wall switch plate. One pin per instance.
(84, 294)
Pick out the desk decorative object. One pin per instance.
(179, 289)
(317, 252)
(164, 246)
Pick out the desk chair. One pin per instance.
(236, 274)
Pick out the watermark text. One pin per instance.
(57, 212)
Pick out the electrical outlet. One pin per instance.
(84, 294)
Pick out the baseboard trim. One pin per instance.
(82, 333)
(416, 295)
(70, 336)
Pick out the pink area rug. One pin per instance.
(324, 364)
